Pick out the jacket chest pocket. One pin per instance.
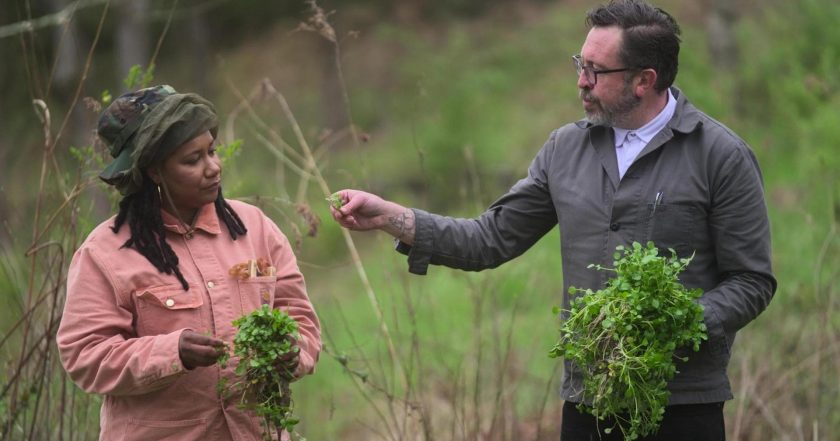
(161, 310)
(674, 226)
(256, 291)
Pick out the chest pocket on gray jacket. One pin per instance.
(673, 226)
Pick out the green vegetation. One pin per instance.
(264, 337)
(335, 201)
(623, 337)
(454, 111)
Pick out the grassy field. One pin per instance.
(454, 115)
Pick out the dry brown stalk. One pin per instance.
(312, 166)
(36, 366)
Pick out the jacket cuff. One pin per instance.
(419, 254)
(306, 365)
(166, 361)
(718, 344)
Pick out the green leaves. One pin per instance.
(226, 152)
(138, 78)
(336, 201)
(264, 337)
(623, 337)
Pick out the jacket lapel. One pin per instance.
(602, 140)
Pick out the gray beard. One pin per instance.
(613, 115)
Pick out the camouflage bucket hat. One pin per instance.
(142, 128)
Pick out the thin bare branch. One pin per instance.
(162, 35)
(351, 246)
(56, 19)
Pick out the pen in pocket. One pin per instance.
(656, 201)
(651, 220)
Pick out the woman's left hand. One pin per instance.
(288, 362)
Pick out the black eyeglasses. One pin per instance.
(590, 73)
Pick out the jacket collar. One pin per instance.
(686, 118)
(206, 220)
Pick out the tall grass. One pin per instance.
(462, 356)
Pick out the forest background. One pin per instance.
(435, 104)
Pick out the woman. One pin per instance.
(152, 292)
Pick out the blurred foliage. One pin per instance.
(791, 85)
(455, 99)
(465, 112)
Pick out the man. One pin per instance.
(644, 165)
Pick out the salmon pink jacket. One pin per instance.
(123, 318)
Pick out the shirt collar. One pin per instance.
(206, 219)
(654, 126)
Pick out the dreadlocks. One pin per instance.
(229, 216)
(148, 236)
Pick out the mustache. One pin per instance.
(586, 94)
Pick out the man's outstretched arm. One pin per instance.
(362, 211)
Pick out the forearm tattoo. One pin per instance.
(403, 225)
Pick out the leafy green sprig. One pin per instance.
(335, 201)
(623, 337)
(264, 336)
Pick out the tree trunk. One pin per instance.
(66, 41)
(132, 37)
(198, 51)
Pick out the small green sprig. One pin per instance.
(335, 201)
(226, 152)
(264, 336)
(138, 78)
(623, 337)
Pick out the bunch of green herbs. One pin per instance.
(264, 336)
(623, 337)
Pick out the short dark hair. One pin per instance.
(650, 37)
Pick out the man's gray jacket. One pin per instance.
(706, 187)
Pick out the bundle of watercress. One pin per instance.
(623, 337)
(263, 337)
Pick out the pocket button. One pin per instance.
(170, 303)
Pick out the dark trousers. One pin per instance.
(689, 422)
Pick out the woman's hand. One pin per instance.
(288, 362)
(198, 350)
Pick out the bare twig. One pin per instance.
(824, 317)
(56, 19)
(544, 402)
(771, 418)
(358, 377)
(85, 71)
(162, 35)
(319, 24)
(310, 163)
